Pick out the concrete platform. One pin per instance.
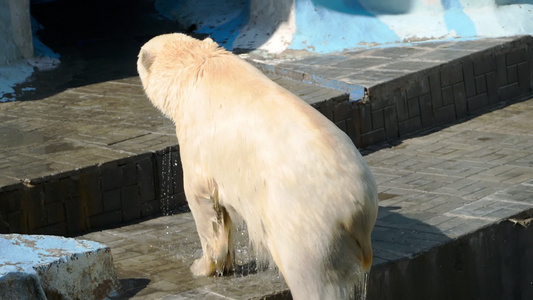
(454, 222)
(50, 267)
(444, 127)
(99, 155)
(396, 91)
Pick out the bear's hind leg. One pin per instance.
(215, 228)
(308, 272)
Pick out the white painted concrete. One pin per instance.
(324, 26)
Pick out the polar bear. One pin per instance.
(252, 151)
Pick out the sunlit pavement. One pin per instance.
(434, 188)
(437, 187)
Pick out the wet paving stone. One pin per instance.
(436, 186)
(415, 215)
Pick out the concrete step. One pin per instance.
(398, 91)
(97, 156)
(453, 223)
(51, 267)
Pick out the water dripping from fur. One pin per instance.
(361, 286)
(166, 166)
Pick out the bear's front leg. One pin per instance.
(214, 227)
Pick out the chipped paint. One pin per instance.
(325, 26)
(67, 267)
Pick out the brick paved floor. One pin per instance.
(434, 188)
(90, 125)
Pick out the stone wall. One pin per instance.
(102, 196)
(437, 95)
(137, 187)
(488, 264)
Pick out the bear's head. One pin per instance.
(170, 65)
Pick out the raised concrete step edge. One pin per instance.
(52, 267)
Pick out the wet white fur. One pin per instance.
(252, 150)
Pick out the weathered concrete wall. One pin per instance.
(493, 263)
(102, 196)
(51, 267)
(271, 25)
(334, 25)
(15, 31)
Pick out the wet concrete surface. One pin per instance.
(436, 187)
(435, 190)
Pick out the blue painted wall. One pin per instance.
(334, 25)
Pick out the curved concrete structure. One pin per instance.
(15, 31)
(325, 26)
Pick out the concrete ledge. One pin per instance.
(398, 91)
(490, 263)
(41, 267)
(95, 157)
(100, 155)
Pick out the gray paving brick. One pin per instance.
(478, 102)
(146, 180)
(435, 89)
(479, 191)
(369, 62)
(401, 107)
(501, 71)
(112, 218)
(512, 74)
(397, 52)
(90, 192)
(390, 123)
(426, 110)
(434, 187)
(410, 125)
(433, 203)
(490, 208)
(17, 222)
(111, 200)
(506, 174)
(451, 74)
(465, 226)
(517, 193)
(363, 113)
(443, 114)
(516, 56)
(377, 120)
(447, 95)
(342, 111)
(483, 64)
(130, 201)
(480, 84)
(418, 88)
(459, 97)
(468, 74)
(524, 77)
(373, 137)
(443, 55)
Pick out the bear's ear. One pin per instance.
(208, 40)
(147, 59)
